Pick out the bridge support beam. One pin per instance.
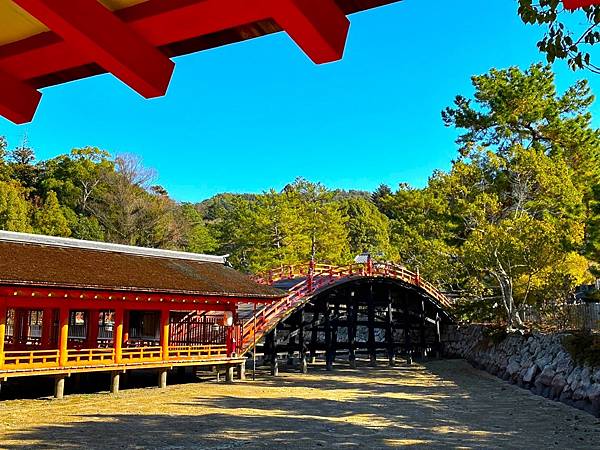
(407, 339)
(328, 346)
(292, 342)
(272, 339)
(371, 324)
(352, 319)
(389, 332)
(334, 332)
(423, 343)
(313, 337)
(438, 337)
(302, 343)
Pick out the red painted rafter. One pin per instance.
(575, 4)
(92, 30)
(18, 100)
(320, 31)
(319, 27)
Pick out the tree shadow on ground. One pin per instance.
(362, 408)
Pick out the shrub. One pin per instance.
(584, 348)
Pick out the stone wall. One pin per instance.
(537, 362)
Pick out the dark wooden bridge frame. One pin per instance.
(398, 313)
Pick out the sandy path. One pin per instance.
(443, 404)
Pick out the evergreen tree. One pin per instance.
(14, 208)
(50, 219)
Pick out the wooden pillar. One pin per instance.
(313, 337)
(334, 332)
(407, 340)
(291, 345)
(302, 343)
(273, 353)
(93, 328)
(438, 337)
(352, 327)
(118, 337)
(162, 378)
(2, 331)
(229, 374)
(423, 342)
(63, 333)
(371, 324)
(59, 386)
(390, 332)
(242, 371)
(115, 381)
(165, 334)
(328, 346)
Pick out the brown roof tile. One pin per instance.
(48, 265)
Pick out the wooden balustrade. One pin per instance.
(91, 356)
(50, 359)
(35, 359)
(178, 353)
(136, 354)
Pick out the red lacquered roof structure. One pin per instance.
(47, 42)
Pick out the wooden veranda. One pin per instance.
(71, 307)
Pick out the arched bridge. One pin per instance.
(356, 309)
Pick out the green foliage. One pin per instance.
(584, 348)
(49, 219)
(505, 228)
(568, 38)
(14, 208)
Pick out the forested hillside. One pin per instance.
(516, 221)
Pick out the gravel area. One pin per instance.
(439, 404)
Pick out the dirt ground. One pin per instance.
(441, 404)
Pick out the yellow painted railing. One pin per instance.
(90, 356)
(31, 360)
(136, 354)
(197, 352)
(49, 359)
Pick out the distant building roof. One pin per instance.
(42, 261)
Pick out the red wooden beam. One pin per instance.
(164, 22)
(575, 4)
(320, 28)
(124, 43)
(18, 100)
(92, 30)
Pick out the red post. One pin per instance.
(47, 325)
(63, 328)
(118, 335)
(2, 331)
(369, 266)
(93, 328)
(164, 334)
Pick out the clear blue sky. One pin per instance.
(255, 115)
